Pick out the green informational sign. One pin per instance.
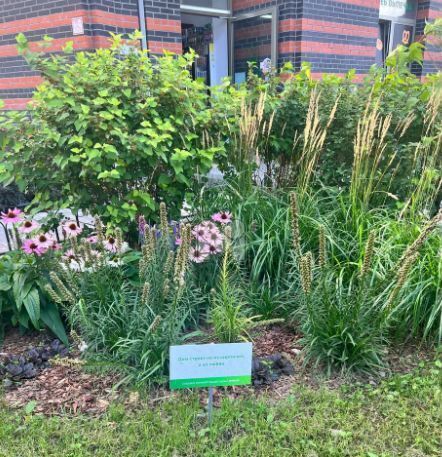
(210, 365)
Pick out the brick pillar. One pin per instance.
(427, 11)
(163, 22)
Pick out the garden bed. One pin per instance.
(66, 387)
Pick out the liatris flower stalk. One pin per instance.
(154, 325)
(99, 229)
(145, 294)
(322, 248)
(228, 235)
(294, 211)
(182, 256)
(169, 263)
(164, 225)
(402, 276)
(306, 271)
(64, 293)
(368, 257)
(166, 288)
(54, 296)
(74, 245)
(118, 239)
(86, 250)
(76, 338)
(141, 225)
(150, 239)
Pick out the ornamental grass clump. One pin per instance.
(350, 309)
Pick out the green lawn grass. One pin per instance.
(402, 417)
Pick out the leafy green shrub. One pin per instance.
(111, 133)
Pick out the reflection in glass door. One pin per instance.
(253, 41)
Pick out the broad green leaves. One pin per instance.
(111, 133)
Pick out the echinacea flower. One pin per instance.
(209, 225)
(44, 240)
(223, 217)
(70, 255)
(12, 216)
(55, 246)
(213, 248)
(92, 239)
(32, 247)
(199, 232)
(28, 226)
(72, 229)
(110, 244)
(198, 255)
(214, 237)
(178, 241)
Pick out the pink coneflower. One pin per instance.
(199, 232)
(12, 216)
(70, 255)
(72, 229)
(32, 247)
(178, 241)
(213, 248)
(209, 225)
(55, 246)
(44, 240)
(222, 217)
(28, 226)
(214, 237)
(92, 239)
(198, 255)
(111, 244)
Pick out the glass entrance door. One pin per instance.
(253, 42)
(205, 30)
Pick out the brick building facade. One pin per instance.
(335, 36)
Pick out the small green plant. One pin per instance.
(228, 313)
(23, 299)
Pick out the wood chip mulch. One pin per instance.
(276, 339)
(64, 390)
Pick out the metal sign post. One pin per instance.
(210, 406)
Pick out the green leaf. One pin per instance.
(5, 285)
(106, 115)
(32, 305)
(51, 318)
(30, 407)
(21, 287)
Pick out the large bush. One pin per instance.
(110, 132)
